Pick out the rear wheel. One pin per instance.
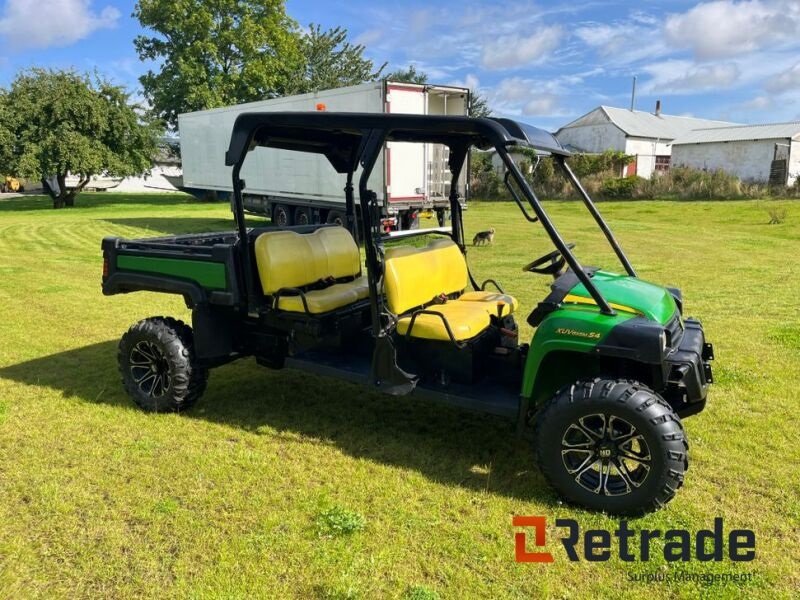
(281, 216)
(336, 217)
(158, 366)
(302, 215)
(612, 445)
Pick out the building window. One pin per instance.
(662, 163)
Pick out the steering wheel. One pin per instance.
(554, 262)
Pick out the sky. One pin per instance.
(545, 63)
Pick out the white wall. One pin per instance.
(155, 182)
(645, 150)
(794, 162)
(748, 160)
(593, 138)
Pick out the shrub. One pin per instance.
(484, 182)
(619, 187)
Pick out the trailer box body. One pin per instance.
(408, 179)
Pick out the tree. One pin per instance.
(330, 61)
(6, 135)
(215, 53)
(63, 123)
(479, 107)
(408, 75)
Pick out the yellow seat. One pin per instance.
(286, 259)
(416, 277)
(491, 300)
(320, 301)
(466, 320)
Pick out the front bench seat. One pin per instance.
(325, 264)
(427, 277)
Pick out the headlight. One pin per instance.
(663, 339)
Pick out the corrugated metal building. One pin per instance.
(647, 136)
(763, 153)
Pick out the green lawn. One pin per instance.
(280, 484)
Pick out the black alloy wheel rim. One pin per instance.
(150, 369)
(606, 454)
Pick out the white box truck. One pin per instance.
(299, 188)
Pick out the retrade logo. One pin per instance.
(630, 545)
(540, 539)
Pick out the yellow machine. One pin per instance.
(11, 184)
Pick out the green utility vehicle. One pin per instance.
(611, 369)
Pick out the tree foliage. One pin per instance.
(6, 135)
(408, 75)
(330, 61)
(215, 52)
(479, 106)
(62, 122)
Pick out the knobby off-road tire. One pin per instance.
(611, 445)
(158, 366)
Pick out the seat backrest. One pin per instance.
(414, 277)
(286, 259)
(344, 259)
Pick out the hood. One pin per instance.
(630, 294)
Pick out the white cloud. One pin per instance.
(682, 76)
(370, 36)
(785, 81)
(531, 97)
(46, 23)
(757, 103)
(724, 28)
(625, 42)
(520, 51)
(542, 105)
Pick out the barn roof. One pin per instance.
(637, 123)
(768, 131)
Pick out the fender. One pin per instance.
(122, 282)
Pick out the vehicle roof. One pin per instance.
(339, 135)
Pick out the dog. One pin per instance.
(484, 237)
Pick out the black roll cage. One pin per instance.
(353, 140)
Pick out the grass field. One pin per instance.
(279, 484)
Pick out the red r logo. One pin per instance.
(521, 554)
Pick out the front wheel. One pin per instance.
(158, 366)
(611, 445)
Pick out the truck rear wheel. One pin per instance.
(612, 445)
(336, 217)
(281, 216)
(158, 367)
(302, 215)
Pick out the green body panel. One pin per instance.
(209, 275)
(653, 301)
(580, 327)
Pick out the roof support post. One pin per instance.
(553, 233)
(562, 162)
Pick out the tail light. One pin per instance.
(105, 267)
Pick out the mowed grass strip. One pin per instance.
(281, 484)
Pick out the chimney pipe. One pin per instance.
(633, 94)
(658, 108)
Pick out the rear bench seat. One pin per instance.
(325, 265)
(416, 277)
